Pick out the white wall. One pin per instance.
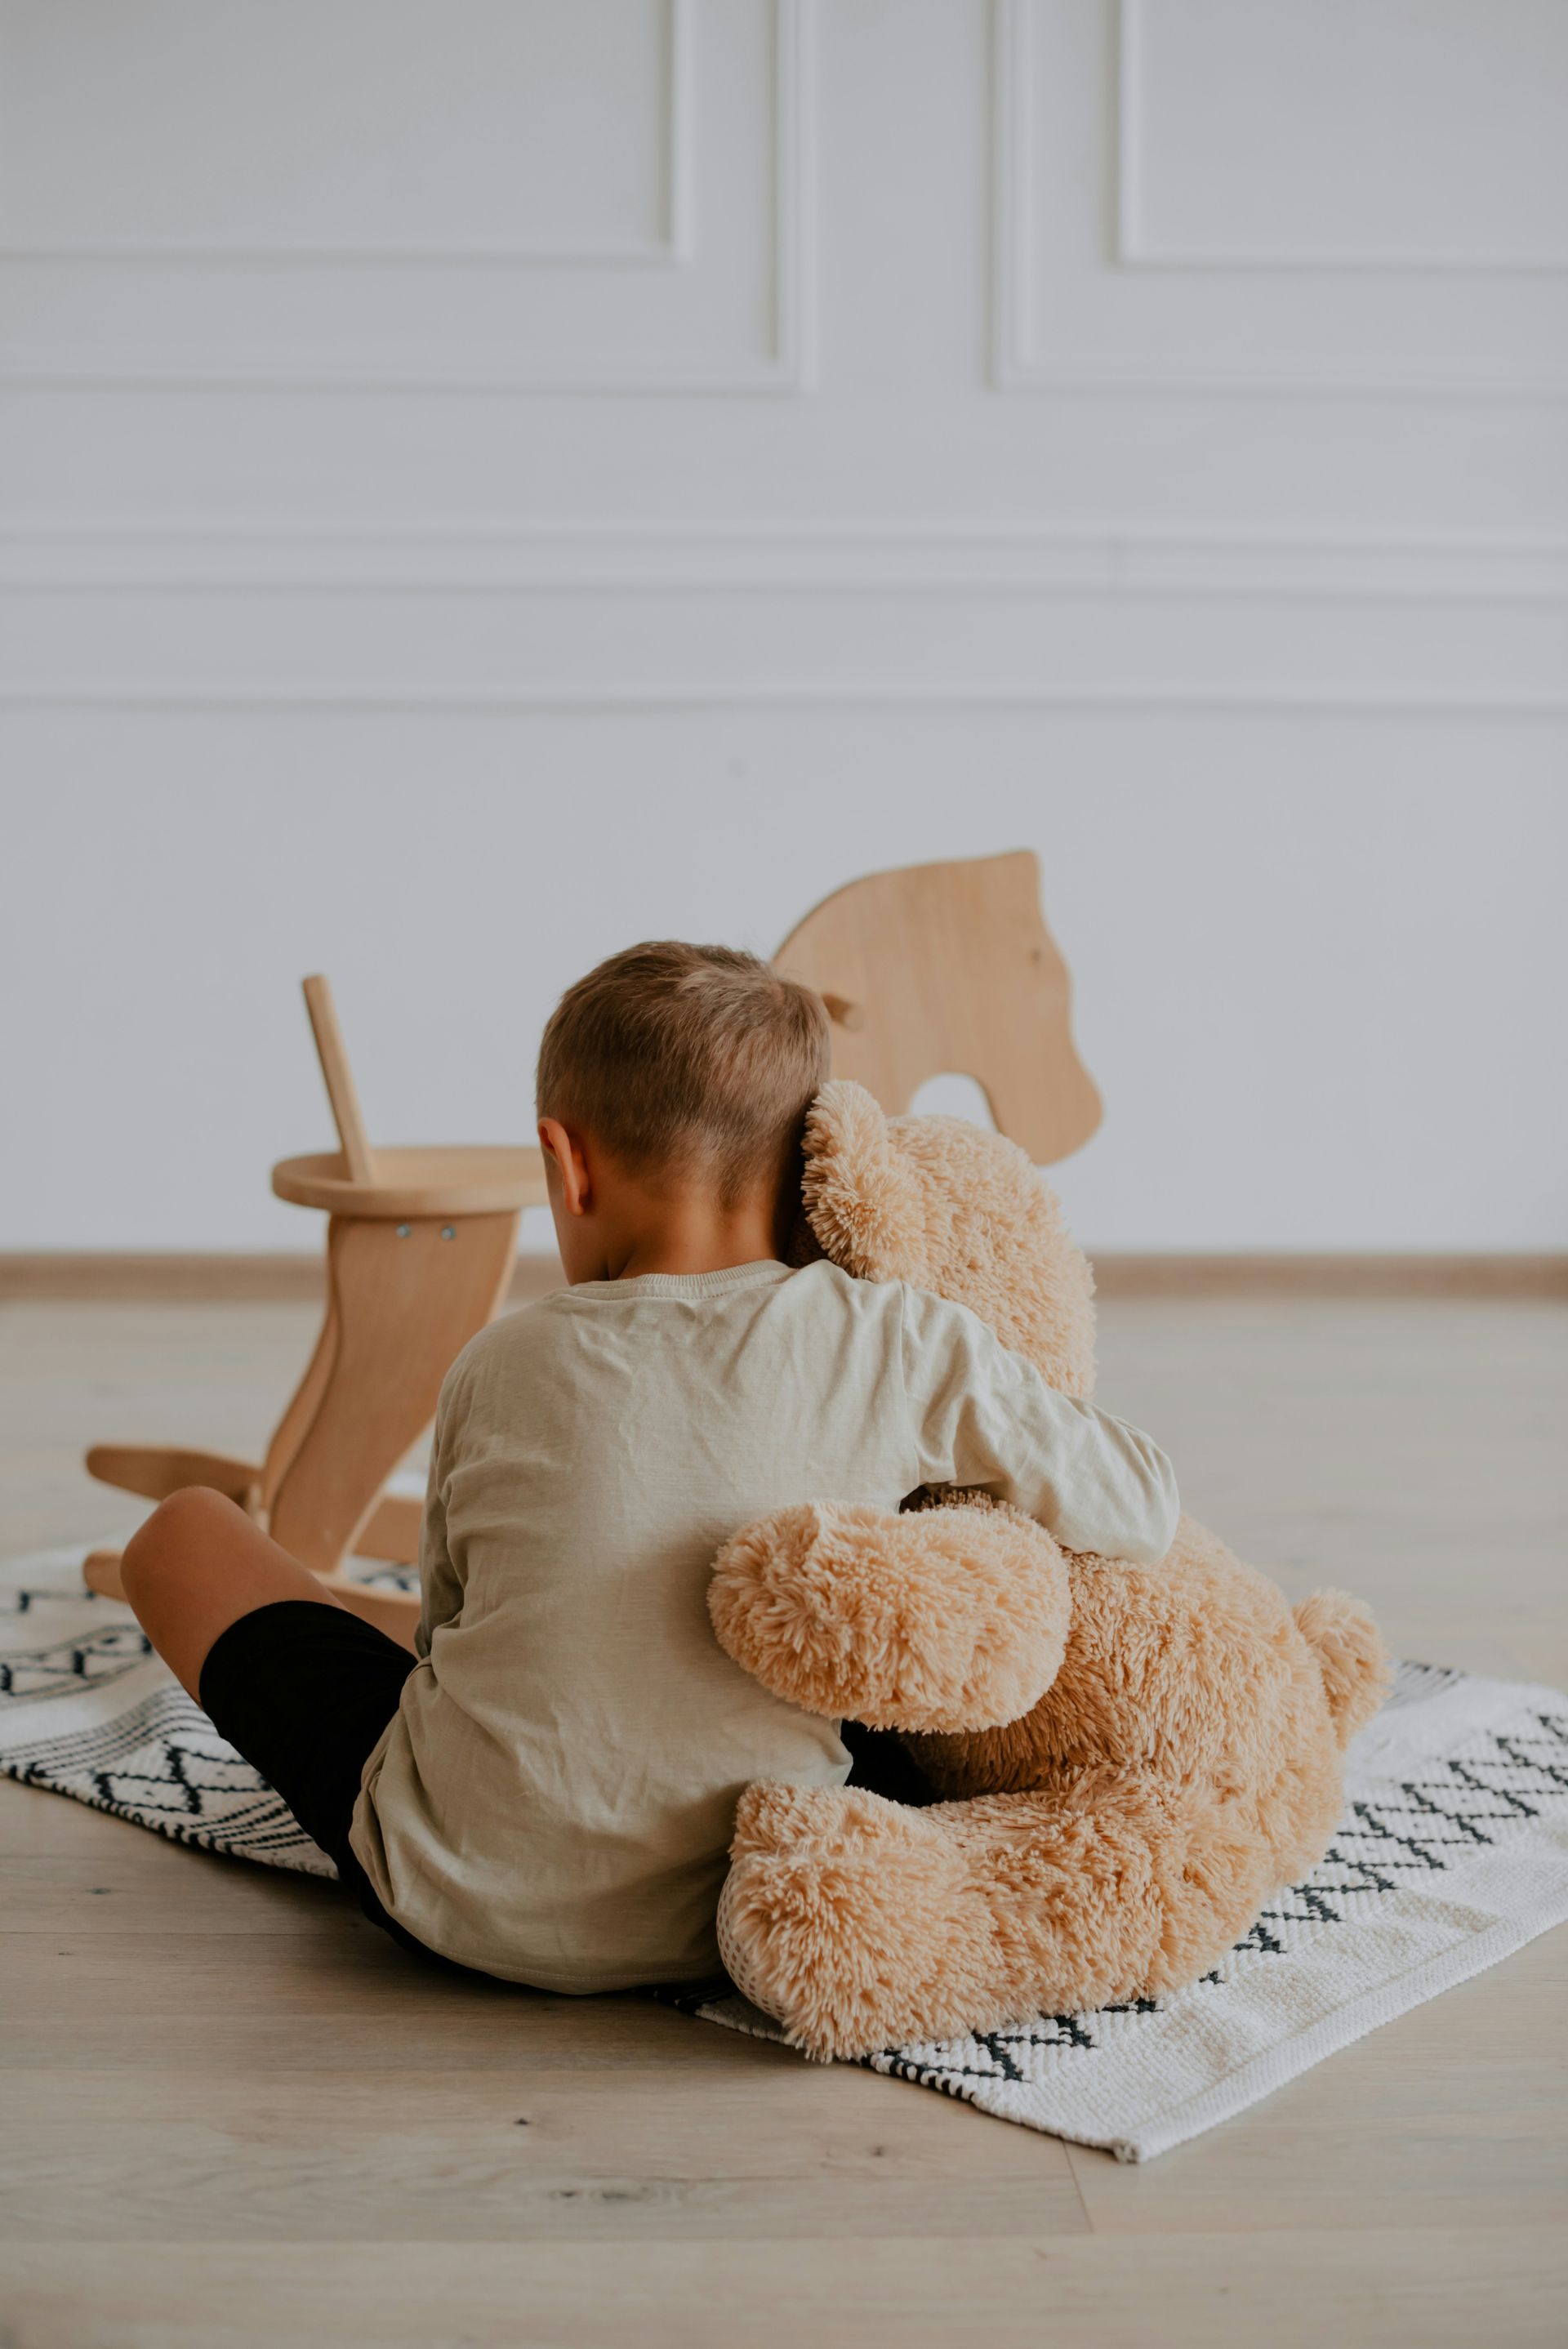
(481, 483)
(1326, 1010)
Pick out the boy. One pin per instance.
(548, 1794)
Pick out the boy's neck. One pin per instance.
(689, 1235)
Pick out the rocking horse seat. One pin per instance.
(470, 1180)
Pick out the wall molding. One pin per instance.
(127, 1277)
(492, 698)
(211, 1278)
(670, 248)
(1331, 1275)
(601, 619)
(788, 366)
(859, 558)
(1134, 249)
(1017, 365)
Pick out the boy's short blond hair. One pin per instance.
(697, 1062)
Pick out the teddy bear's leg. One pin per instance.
(860, 1925)
(946, 1619)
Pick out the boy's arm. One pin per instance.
(981, 1415)
(441, 1585)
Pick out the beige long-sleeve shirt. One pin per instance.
(554, 1798)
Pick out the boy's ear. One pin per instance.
(563, 1153)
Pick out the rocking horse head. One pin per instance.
(942, 968)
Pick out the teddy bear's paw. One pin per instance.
(1344, 1636)
(945, 1620)
(841, 1915)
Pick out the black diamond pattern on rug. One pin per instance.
(164, 1765)
(65, 1667)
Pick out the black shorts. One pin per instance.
(304, 1691)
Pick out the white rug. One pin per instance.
(1453, 1853)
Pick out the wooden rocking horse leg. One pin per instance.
(100, 1572)
(405, 1298)
(156, 1470)
(302, 1405)
(392, 1529)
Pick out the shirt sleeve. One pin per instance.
(981, 1415)
(441, 1584)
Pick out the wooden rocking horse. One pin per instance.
(933, 969)
(943, 969)
(420, 1246)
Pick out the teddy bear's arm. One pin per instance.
(947, 1618)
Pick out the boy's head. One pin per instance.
(684, 1073)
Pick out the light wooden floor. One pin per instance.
(231, 2115)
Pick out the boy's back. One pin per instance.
(554, 1798)
(548, 1796)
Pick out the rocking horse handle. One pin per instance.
(358, 1156)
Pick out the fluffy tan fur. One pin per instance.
(956, 1210)
(914, 1623)
(1131, 1759)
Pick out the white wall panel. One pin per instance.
(1161, 459)
(1389, 135)
(506, 199)
(343, 129)
(1285, 305)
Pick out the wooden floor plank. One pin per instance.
(511, 2152)
(1379, 2289)
(296, 2002)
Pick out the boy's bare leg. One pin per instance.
(199, 1564)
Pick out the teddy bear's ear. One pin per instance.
(951, 1207)
(863, 1199)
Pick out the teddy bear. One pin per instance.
(1125, 1761)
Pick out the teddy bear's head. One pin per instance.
(956, 1209)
